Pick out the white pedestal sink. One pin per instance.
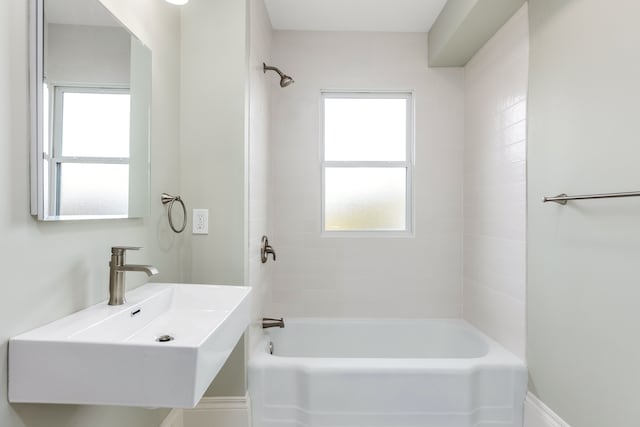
(162, 348)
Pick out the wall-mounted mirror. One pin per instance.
(90, 97)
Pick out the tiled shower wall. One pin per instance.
(260, 34)
(318, 276)
(495, 185)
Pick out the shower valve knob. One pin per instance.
(266, 249)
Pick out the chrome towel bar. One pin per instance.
(562, 198)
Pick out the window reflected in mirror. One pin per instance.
(89, 162)
(92, 114)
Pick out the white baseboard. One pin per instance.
(219, 412)
(174, 419)
(236, 412)
(537, 414)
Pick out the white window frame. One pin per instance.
(408, 164)
(55, 157)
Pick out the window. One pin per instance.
(367, 162)
(89, 163)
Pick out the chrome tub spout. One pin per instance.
(268, 322)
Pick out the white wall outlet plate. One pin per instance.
(200, 221)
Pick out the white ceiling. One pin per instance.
(354, 15)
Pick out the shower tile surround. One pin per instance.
(467, 256)
(321, 276)
(495, 185)
(478, 273)
(259, 127)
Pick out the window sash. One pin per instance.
(57, 108)
(56, 160)
(407, 164)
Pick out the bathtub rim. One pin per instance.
(497, 356)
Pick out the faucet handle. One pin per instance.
(266, 249)
(120, 250)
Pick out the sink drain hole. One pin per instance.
(164, 338)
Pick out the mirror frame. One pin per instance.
(36, 111)
(36, 74)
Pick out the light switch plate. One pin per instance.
(200, 221)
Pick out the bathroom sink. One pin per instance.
(162, 348)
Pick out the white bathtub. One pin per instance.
(384, 373)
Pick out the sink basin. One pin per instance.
(162, 348)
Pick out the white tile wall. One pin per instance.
(260, 34)
(495, 185)
(365, 277)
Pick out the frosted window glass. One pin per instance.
(95, 124)
(365, 199)
(94, 189)
(365, 129)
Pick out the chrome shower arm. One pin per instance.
(266, 68)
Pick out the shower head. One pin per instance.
(284, 79)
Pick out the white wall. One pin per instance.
(495, 185)
(365, 277)
(87, 54)
(583, 285)
(213, 140)
(260, 35)
(214, 152)
(53, 269)
(464, 26)
(218, 412)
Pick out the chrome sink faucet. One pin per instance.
(117, 268)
